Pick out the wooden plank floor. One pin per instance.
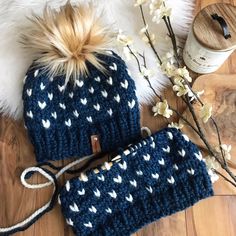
(213, 217)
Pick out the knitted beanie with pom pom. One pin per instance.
(77, 92)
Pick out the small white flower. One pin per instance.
(168, 68)
(211, 163)
(181, 89)
(152, 38)
(155, 5)
(123, 39)
(226, 150)
(195, 96)
(214, 177)
(184, 73)
(144, 30)
(146, 72)
(140, 2)
(206, 112)
(178, 80)
(162, 108)
(144, 37)
(176, 125)
(160, 13)
(169, 56)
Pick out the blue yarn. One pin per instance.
(161, 175)
(61, 122)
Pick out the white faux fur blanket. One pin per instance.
(122, 14)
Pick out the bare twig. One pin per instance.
(173, 38)
(148, 36)
(224, 177)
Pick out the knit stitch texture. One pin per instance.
(61, 119)
(158, 176)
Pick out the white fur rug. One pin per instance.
(14, 61)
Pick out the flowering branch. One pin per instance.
(179, 76)
(213, 121)
(173, 38)
(148, 35)
(157, 95)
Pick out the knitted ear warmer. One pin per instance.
(61, 120)
(158, 176)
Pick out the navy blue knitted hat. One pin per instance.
(158, 176)
(76, 90)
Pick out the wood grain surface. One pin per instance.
(209, 32)
(212, 217)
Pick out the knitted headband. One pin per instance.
(79, 98)
(158, 176)
(155, 177)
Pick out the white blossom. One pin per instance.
(168, 68)
(124, 39)
(184, 73)
(152, 38)
(144, 29)
(181, 89)
(146, 72)
(160, 13)
(155, 5)
(143, 33)
(195, 96)
(214, 177)
(206, 112)
(140, 2)
(176, 125)
(226, 150)
(212, 165)
(162, 108)
(180, 84)
(170, 57)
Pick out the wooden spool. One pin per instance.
(212, 38)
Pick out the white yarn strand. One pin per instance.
(46, 184)
(37, 212)
(146, 130)
(39, 186)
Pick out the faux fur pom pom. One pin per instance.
(64, 40)
(48, 42)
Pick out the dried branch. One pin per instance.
(225, 178)
(173, 39)
(198, 129)
(157, 95)
(148, 36)
(212, 119)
